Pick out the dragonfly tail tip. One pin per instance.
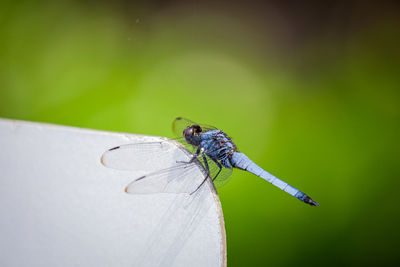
(310, 201)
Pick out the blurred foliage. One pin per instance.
(322, 115)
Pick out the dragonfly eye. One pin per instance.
(192, 135)
(197, 129)
(188, 132)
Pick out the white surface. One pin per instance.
(60, 206)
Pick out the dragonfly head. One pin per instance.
(192, 134)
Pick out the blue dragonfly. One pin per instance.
(210, 148)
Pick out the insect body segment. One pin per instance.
(218, 146)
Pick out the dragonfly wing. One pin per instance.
(147, 156)
(223, 177)
(181, 178)
(192, 149)
(181, 123)
(220, 175)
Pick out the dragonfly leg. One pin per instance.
(192, 159)
(220, 168)
(207, 172)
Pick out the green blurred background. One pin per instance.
(309, 90)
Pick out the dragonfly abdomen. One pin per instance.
(241, 161)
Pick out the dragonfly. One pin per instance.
(208, 147)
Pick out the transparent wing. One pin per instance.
(181, 178)
(148, 156)
(171, 176)
(181, 123)
(192, 149)
(219, 175)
